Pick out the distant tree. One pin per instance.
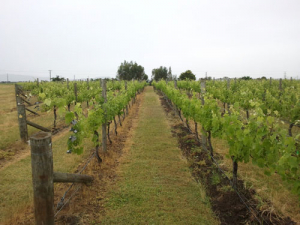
(246, 78)
(130, 70)
(160, 73)
(57, 78)
(145, 77)
(187, 75)
(263, 78)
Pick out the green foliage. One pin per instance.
(160, 73)
(130, 70)
(246, 78)
(260, 138)
(57, 78)
(187, 75)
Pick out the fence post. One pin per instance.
(104, 138)
(128, 103)
(42, 178)
(22, 122)
(75, 92)
(17, 93)
(204, 133)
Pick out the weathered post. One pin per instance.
(22, 122)
(228, 87)
(75, 92)
(204, 133)
(104, 138)
(175, 84)
(280, 84)
(126, 91)
(42, 178)
(37, 81)
(17, 93)
(88, 88)
(68, 83)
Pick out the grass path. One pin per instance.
(155, 185)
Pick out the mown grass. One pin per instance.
(156, 186)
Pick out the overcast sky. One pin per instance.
(88, 38)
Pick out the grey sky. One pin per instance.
(91, 38)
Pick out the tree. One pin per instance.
(187, 75)
(57, 78)
(160, 73)
(145, 77)
(130, 70)
(246, 78)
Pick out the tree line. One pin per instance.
(131, 70)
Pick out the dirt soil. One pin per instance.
(225, 202)
(87, 203)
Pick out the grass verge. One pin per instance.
(155, 185)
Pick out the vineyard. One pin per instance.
(240, 141)
(250, 123)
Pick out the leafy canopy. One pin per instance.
(187, 75)
(160, 73)
(131, 70)
(57, 78)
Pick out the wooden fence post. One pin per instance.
(75, 92)
(228, 104)
(17, 93)
(128, 103)
(280, 84)
(42, 178)
(204, 133)
(104, 138)
(175, 84)
(22, 122)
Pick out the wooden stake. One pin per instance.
(17, 94)
(42, 178)
(104, 137)
(22, 122)
(126, 91)
(204, 133)
(75, 92)
(37, 126)
(71, 178)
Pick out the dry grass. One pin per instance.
(16, 184)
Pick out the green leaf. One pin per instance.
(47, 102)
(42, 95)
(69, 117)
